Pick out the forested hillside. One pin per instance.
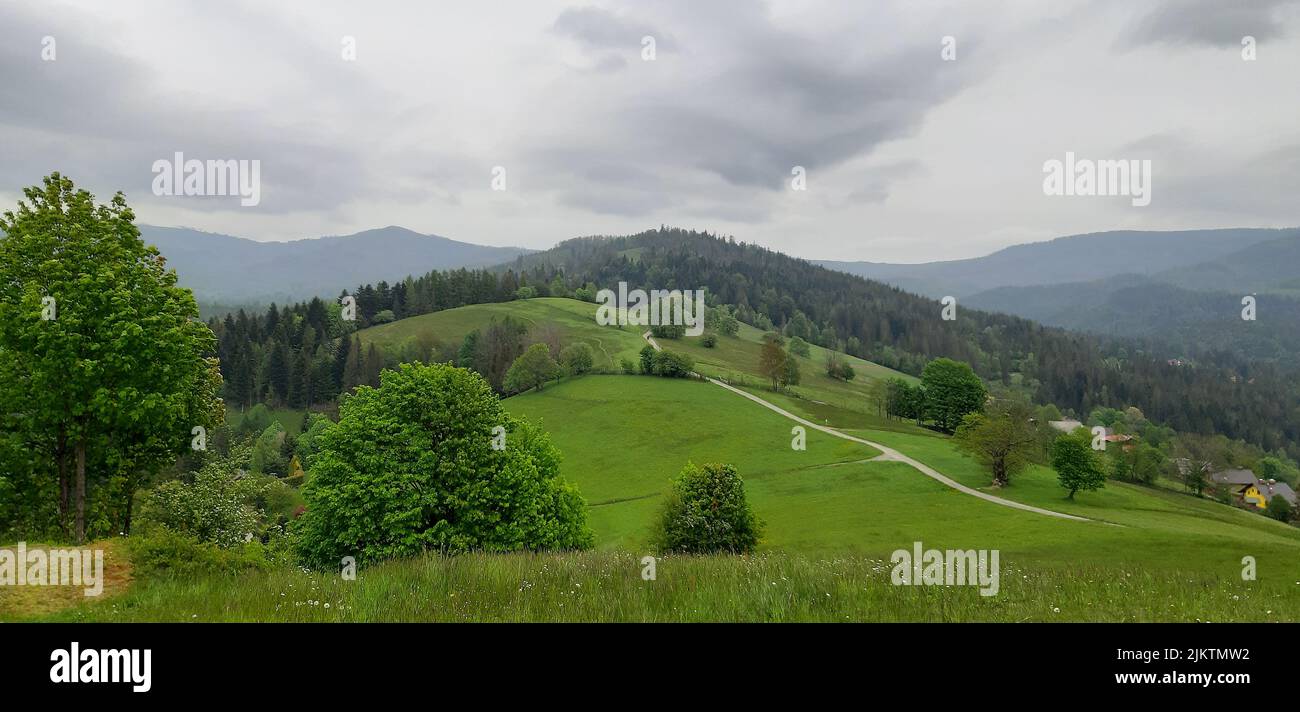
(1219, 394)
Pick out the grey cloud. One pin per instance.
(768, 100)
(1217, 23)
(93, 115)
(597, 28)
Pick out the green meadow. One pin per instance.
(832, 516)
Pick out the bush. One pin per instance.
(1278, 508)
(648, 359)
(709, 341)
(799, 347)
(672, 365)
(217, 508)
(383, 317)
(706, 512)
(410, 466)
(163, 552)
(629, 366)
(668, 331)
(577, 359)
(839, 368)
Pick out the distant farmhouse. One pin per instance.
(1249, 489)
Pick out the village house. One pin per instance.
(1249, 489)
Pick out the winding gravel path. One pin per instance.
(887, 453)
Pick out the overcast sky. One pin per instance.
(909, 157)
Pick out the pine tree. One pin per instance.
(354, 373)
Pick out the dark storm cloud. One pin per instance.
(1219, 23)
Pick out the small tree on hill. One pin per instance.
(799, 347)
(771, 360)
(577, 358)
(532, 369)
(1077, 465)
(706, 512)
(1003, 440)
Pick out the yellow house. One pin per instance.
(1252, 490)
(1252, 495)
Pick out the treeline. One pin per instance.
(305, 354)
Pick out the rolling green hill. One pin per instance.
(734, 359)
(624, 437)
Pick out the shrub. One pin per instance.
(577, 359)
(839, 368)
(672, 365)
(217, 508)
(709, 341)
(799, 347)
(648, 359)
(706, 512)
(411, 466)
(629, 366)
(1278, 508)
(383, 317)
(163, 552)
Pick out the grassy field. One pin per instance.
(833, 499)
(608, 586)
(832, 516)
(575, 319)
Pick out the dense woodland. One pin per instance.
(304, 354)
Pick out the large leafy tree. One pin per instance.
(415, 464)
(105, 369)
(951, 391)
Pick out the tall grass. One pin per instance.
(608, 586)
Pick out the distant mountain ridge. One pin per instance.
(1074, 258)
(228, 269)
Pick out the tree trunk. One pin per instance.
(61, 454)
(81, 490)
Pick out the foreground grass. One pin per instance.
(608, 586)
